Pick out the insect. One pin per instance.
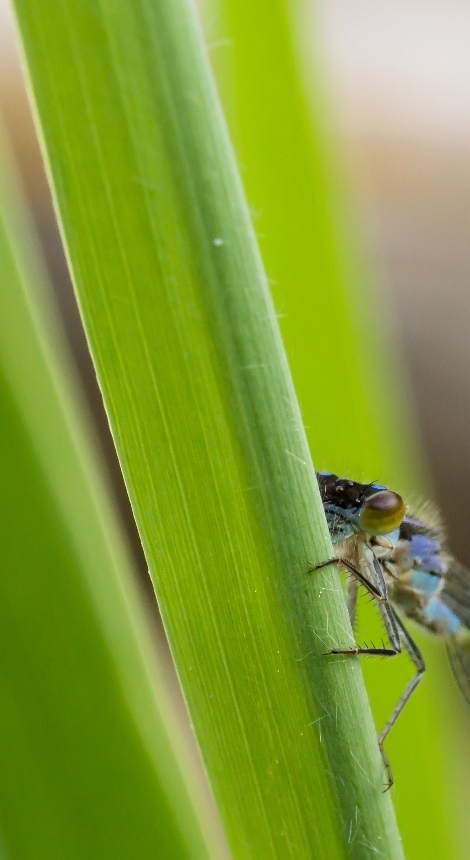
(400, 558)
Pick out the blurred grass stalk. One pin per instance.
(87, 739)
(207, 427)
(338, 332)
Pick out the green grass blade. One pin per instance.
(336, 331)
(88, 762)
(206, 424)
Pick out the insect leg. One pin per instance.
(384, 607)
(413, 651)
(396, 634)
(352, 601)
(370, 586)
(390, 622)
(378, 652)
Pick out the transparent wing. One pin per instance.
(460, 664)
(456, 591)
(456, 595)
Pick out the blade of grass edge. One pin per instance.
(194, 377)
(87, 742)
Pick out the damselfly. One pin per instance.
(399, 556)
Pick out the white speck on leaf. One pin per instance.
(295, 457)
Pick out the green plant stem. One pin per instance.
(207, 427)
(87, 742)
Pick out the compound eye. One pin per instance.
(382, 513)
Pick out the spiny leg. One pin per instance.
(378, 591)
(388, 614)
(377, 652)
(370, 586)
(414, 653)
(396, 634)
(352, 596)
(390, 623)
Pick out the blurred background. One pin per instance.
(399, 74)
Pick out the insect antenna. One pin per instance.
(367, 487)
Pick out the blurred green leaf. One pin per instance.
(88, 753)
(206, 424)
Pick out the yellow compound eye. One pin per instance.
(382, 513)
